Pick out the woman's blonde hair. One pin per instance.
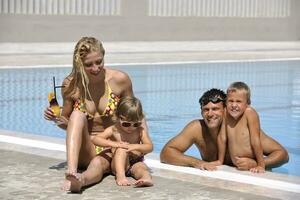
(79, 79)
(130, 108)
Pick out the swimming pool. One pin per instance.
(170, 94)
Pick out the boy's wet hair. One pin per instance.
(233, 87)
(130, 108)
(213, 95)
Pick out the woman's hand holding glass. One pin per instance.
(52, 113)
(49, 114)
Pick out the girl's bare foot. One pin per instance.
(123, 181)
(143, 183)
(76, 181)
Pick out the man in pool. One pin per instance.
(203, 133)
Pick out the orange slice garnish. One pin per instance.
(50, 96)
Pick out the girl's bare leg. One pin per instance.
(119, 164)
(141, 173)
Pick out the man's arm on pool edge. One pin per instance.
(173, 151)
(276, 154)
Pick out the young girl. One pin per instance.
(129, 144)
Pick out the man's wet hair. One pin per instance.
(213, 95)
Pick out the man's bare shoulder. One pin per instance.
(195, 124)
(187, 137)
(193, 128)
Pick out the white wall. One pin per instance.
(148, 20)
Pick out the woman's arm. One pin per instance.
(67, 108)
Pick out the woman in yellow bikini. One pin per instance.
(90, 95)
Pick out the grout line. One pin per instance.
(223, 175)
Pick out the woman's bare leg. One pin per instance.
(94, 173)
(119, 164)
(97, 168)
(80, 149)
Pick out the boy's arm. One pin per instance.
(173, 151)
(222, 141)
(275, 154)
(254, 129)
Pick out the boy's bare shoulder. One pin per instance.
(251, 112)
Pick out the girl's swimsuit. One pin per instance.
(111, 106)
(132, 161)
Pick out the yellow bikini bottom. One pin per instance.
(98, 149)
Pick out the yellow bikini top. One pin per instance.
(112, 103)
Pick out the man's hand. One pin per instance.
(209, 166)
(257, 169)
(243, 163)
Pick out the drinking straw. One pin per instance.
(54, 87)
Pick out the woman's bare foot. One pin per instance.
(123, 181)
(143, 183)
(76, 181)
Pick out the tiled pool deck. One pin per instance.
(29, 171)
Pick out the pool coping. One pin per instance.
(55, 148)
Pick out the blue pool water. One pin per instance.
(170, 94)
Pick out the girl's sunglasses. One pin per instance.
(129, 124)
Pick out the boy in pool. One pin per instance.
(241, 128)
(129, 144)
